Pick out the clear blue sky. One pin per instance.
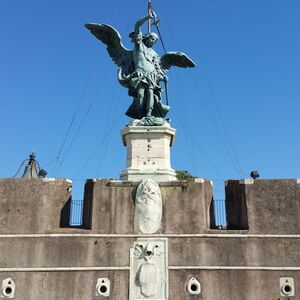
(236, 112)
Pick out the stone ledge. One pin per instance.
(148, 130)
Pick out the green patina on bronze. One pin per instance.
(141, 69)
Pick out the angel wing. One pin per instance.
(108, 35)
(178, 59)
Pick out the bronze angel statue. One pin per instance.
(140, 70)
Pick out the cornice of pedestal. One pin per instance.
(157, 175)
(132, 128)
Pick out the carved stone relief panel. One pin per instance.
(148, 207)
(149, 269)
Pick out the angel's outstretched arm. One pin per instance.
(139, 23)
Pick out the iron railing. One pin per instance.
(218, 209)
(76, 212)
(220, 213)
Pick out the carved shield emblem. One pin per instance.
(148, 206)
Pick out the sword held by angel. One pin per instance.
(141, 69)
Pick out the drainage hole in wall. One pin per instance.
(8, 290)
(103, 289)
(287, 288)
(194, 287)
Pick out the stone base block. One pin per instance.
(157, 175)
(148, 152)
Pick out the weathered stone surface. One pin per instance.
(149, 269)
(109, 206)
(216, 285)
(229, 284)
(34, 205)
(234, 251)
(236, 206)
(109, 209)
(64, 252)
(148, 207)
(85, 251)
(264, 206)
(66, 285)
(187, 207)
(148, 152)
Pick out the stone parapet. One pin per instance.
(109, 206)
(34, 205)
(264, 206)
(44, 261)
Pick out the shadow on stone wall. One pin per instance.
(212, 218)
(88, 205)
(236, 206)
(65, 214)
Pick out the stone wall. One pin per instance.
(84, 250)
(215, 284)
(34, 205)
(264, 206)
(60, 267)
(47, 260)
(109, 206)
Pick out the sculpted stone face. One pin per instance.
(148, 206)
(150, 39)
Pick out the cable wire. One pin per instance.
(233, 157)
(83, 120)
(187, 140)
(109, 118)
(21, 165)
(97, 147)
(77, 108)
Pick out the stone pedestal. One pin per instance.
(148, 152)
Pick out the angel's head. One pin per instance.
(150, 39)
